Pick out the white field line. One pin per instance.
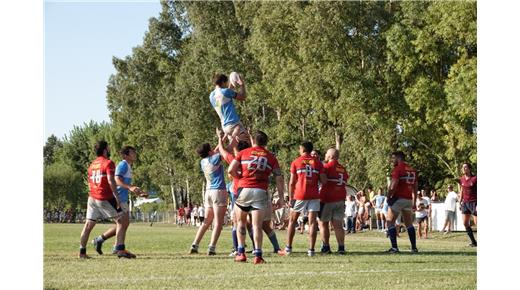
(296, 274)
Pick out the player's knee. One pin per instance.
(242, 230)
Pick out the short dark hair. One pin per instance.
(126, 150)
(261, 138)
(203, 150)
(100, 147)
(398, 154)
(243, 145)
(307, 146)
(219, 79)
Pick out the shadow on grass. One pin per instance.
(383, 253)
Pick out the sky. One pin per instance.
(80, 39)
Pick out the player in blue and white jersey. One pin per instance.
(221, 99)
(215, 197)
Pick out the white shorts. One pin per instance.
(102, 209)
(401, 204)
(252, 198)
(307, 205)
(332, 211)
(215, 197)
(228, 129)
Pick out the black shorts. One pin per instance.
(420, 220)
(201, 219)
(469, 207)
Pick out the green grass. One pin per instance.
(444, 262)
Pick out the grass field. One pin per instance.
(444, 262)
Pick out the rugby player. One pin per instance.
(306, 171)
(255, 164)
(123, 177)
(215, 197)
(332, 198)
(401, 199)
(468, 200)
(103, 201)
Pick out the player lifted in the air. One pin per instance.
(221, 99)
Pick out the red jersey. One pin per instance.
(229, 158)
(337, 176)
(407, 177)
(469, 188)
(181, 211)
(307, 170)
(256, 164)
(98, 173)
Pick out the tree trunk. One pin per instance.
(187, 191)
(339, 139)
(174, 198)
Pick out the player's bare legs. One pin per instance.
(85, 233)
(208, 219)
(220, 212)
(257, 217)
(408, 221)
(312, 229)
(291, 228)
(241, 217)
(324, 232)
(339, 232)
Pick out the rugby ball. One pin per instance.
(234, 78)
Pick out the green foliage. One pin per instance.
(63, 187)
(52, 145)
(365, 77)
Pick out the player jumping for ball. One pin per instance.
(221, 99)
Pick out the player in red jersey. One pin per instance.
(266, 226)
(255, 164)
(103, 200)
(306, 171)
(401, 199)
(468, 200)
(332, 198)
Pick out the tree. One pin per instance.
(52, 145)
(63, 187)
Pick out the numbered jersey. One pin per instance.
(99, 172)
(337, 176)
(407, 177)
(307, 170)
(256, 164)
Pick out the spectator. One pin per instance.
(421, 214)
(194, 210)
(360, 199)
(187, 209)
(201, 214)
(450, 207)
(181, 216)
(425, 195)
(195, 215)
(434, 196)
(384, 213)
(377, 202)
(350, 214)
